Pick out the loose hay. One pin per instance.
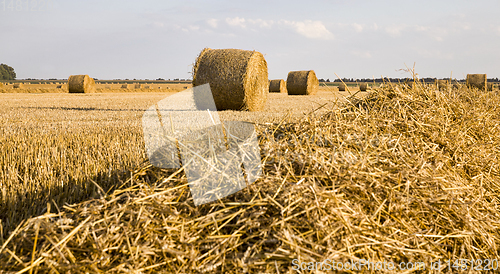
(363, 87)
(238, 78)
(400, 176)
(302, 82)
(278, 85)
(81, 84)
(476, 81)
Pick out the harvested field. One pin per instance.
(401, 175)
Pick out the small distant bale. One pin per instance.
(476, 81)
(238, 79)
(107, 86)
(278, 85)
(341, 87)
(147, 87)
(441, 84)
(59, 86)
(18, 85)
(81, 84)
(490, 86)
(138, 86)
(302, 82)
(363, 87)
(126, 86)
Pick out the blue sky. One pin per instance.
(161, 39)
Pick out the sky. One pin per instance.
(151, 39)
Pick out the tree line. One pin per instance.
(7, 72)
(396, 80)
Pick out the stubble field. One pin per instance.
(399, 175)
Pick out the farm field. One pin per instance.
(395, 174)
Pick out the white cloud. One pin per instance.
(236, 22)
(158, 24)
(310, 29)
(212, 22)
(362, 54)
(395, 30)
(261, 23)
(357, 27)
(437, 34)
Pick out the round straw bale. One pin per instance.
(238, 78)
(302, 82)
(146, 87)
(126, 86)
(341, 87)
(490, 86)
(363, 87)
(81, 84)
(138, 86)
(278, 85)
(59, 86)
(442, 84)
(476, 81)
(18, 85)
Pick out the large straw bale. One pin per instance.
(81, 84)
(302, 82)
(238, 78)
(278, 85)
(476, 81)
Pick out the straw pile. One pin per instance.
(400, 176)
(476, 81)
(363, 87)
(81, 84)
(341, 87)
(238, 78)
(126, 86)
(302, 82)
(18, 85)
(278, 85)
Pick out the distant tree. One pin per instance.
(328, 80)
(321, 80)
(7, 72)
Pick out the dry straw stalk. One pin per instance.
(302, 82)
(81, 84)
(278, 85)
